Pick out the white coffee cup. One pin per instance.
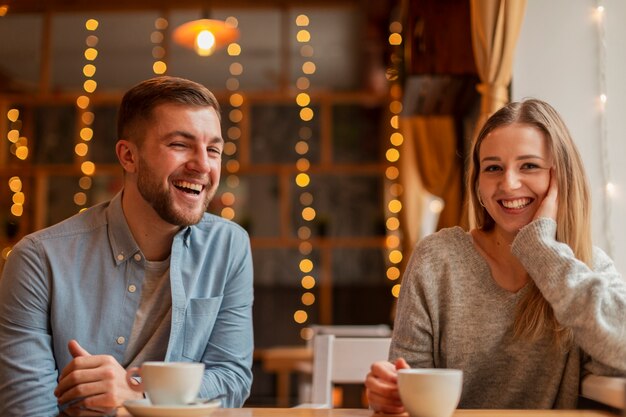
(167, 383)
(430, 392)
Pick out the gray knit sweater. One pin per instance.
(452, 314)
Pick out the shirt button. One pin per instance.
(121, 340)
(137, 257)
(132, 288)
(120, 257)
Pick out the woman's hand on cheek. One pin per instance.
(549, 205)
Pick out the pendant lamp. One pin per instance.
(205, 36)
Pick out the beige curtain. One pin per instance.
(430, 172)
(495, 28)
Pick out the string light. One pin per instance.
(83, 102)
(159, 52)
(610, 188)
(19, 149)
(236, 100)
(392, 154)
(303, 179)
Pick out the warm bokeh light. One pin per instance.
(393, 273)
(232, 166)
(395, 121)
(303, 36)
(156, 36)
(302, 180)
(80, 199)
(91, 24)
(392, 173)
(394, 206)
(395, 27)
(308, 282)
(308, 213)
(392, 223)
(303, 164)
(304, 233)
(395, 256)
(13, 135)
(92, 41)
(234, 133)
(305, 248)
(3, 12)
(234, 49)
(306, 198)
(236, 100)
(307, 51)
(396, 139)
(82, 102)
(89, 70)
(232, 181)
(15, 184)
(17, 210)
(308, 298)
(205, 43)
(232, 84)
(392, 155)
(395, 290)
(306, 266)
(303, 99)
(13, 115)
(228, 213)
(230, 148)
(228, 198)
(90, 86)
(81, 149)
(91, 54)
(236, 68)
(395, 107)
(308, 68)
(306, 114)
(86, 133)
(158, 52)
(300, 316)
(303, 83)
(161, 23)
(231, 21)
(235, 115)
(84, 183)
(159, 67)
(302, 20)
(19, 198)
(87, 117)
(396, 190)
(88, 168)
(392, 241)
(307, 333)
(395, 39)
(21, 152)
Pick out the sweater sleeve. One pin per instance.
(590, 301)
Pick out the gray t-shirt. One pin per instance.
(151, 329)
(452, 314)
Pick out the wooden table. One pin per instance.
(348, 412)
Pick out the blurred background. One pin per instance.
(347, 124)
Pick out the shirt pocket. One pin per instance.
(199, 321)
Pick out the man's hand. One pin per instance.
(93, 381)
(382, 387)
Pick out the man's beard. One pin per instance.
(161, 200)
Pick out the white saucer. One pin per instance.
(143, 408)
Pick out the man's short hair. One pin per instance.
(139, 102)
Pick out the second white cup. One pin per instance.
(168, 383)
(430, 392)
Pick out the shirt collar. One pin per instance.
(123, 245)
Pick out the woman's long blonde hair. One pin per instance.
(534, 314)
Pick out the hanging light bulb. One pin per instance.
(205, 36)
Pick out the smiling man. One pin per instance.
(147, 276)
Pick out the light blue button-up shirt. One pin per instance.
(81, 279)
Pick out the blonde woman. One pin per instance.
(523, 303)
